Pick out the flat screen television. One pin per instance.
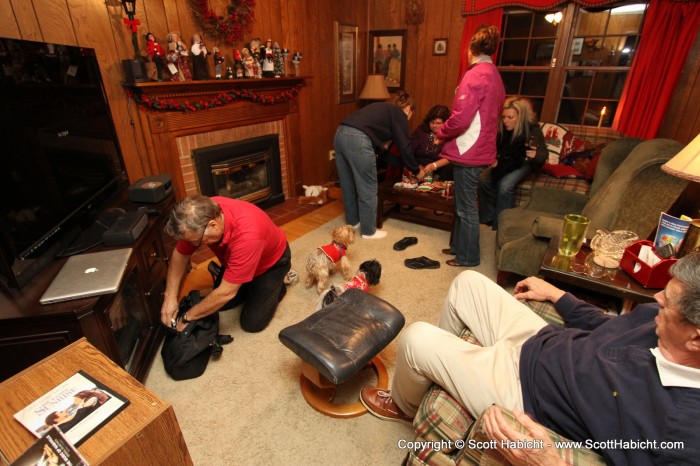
(59, 157)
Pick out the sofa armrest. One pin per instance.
(555, 201)
(546, 227)
(571, 456)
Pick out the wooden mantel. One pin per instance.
(162, 128)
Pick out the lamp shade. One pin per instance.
(375, 88)
(686, 163)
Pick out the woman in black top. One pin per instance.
(359, 138)
(426, 146)
(521, 151)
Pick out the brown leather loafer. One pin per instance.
(449, 251)
(379, 403)
(454, 263)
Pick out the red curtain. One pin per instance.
(472, 7)
(669, 33)
(471, 23)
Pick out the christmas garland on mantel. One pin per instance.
(220, 100)
(233, 27)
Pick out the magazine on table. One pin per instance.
(79, 406)
(51, 449)
(671, 231)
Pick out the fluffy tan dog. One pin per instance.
(324, 260)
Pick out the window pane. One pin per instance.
(578, 84)
(592, 24)
(608, 85)
(626, 22)
(518, 24)
(593, 114)
(513, 52)
(511, 82)
(571, 111)
(542, 27)
(541, 52)
(535, 83)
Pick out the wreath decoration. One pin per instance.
(233, 27)
(220, 100)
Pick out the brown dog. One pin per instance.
(324, 260)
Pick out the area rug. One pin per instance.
(247, 408)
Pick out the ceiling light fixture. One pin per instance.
(554, 18)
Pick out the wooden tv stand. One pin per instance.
(125, 325)
(145, 432)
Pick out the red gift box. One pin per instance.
(648, 276)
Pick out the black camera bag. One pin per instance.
(186, 354)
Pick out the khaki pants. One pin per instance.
(476, 376)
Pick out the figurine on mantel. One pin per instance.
(156, 55)
(255, 53)
(178, 59)
(238, 63)
(200, 69)
(279, 60)
(268, 59)
(218, 62)
(248, 63)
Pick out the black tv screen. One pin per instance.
(60, 155)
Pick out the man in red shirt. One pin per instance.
(253, 253)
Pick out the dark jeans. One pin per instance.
(496, 195)
(465, 236)
(261, 295)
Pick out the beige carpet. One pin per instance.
(247, 408)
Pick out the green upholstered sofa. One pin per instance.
(629, 191)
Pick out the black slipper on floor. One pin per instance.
(404, 243)
(421, 262)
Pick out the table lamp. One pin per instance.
(375, 88)
(686, 163)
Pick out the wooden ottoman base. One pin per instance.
(319, 392)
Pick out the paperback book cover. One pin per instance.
(78, 406)
(52, 449)
(671, 231)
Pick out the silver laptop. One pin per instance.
(90, 274)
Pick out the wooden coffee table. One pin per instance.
(432, 201)
(581, 272)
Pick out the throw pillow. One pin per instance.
(554, 137)
(561, 170)
(590, 170)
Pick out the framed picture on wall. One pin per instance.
(577, 46)
(346, 61)
(386, 56)
(440, 46)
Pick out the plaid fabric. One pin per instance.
(523, 189)
(491, 457)
(441, 418)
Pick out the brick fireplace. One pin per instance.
(173, 136)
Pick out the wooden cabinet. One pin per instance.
(146, 432)
(125, 325)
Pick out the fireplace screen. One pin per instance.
(246, 178)
(248, 170)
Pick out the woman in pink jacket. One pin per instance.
(470, 140)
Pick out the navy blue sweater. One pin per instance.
(598, 381)
(383, 122)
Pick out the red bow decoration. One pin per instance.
(132, 24)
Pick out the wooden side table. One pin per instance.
(580, 272)
(145, 432)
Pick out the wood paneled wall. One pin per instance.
(303, 25)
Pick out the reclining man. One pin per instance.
(603, 378)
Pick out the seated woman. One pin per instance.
(427, 147)
(521, 151)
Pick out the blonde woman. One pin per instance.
(521, 151)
